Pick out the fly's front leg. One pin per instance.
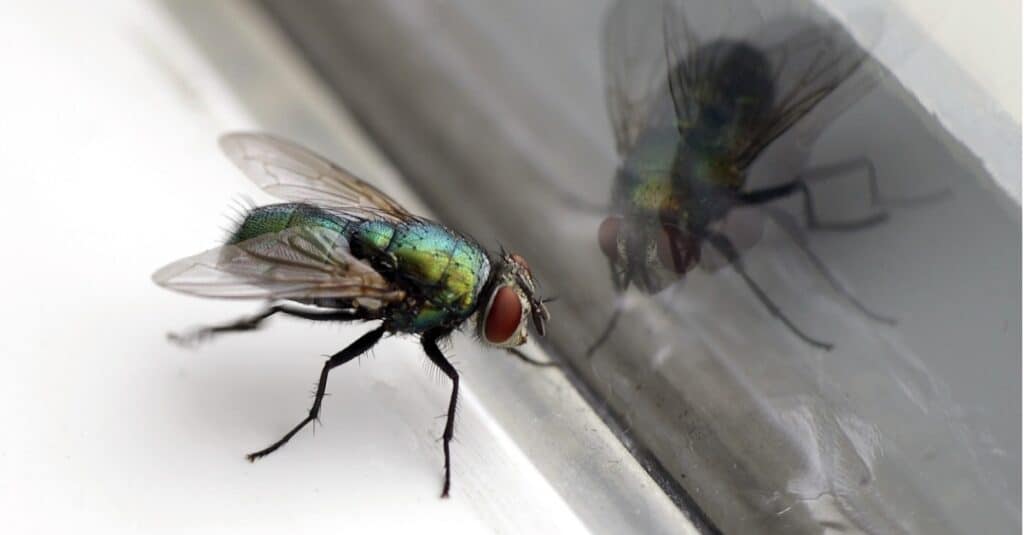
(360, 346)
(609, 327)
(620, 289)
(530, 360)
(250, 323)
(434, 353)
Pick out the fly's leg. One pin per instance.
(774, 193)
(828, 172)
(199, 334)
(250, 323)
(530, 360)
(360, 346)
(435, 355)
(727, 250)
(620, 287)
(608, 328)
(786, 222)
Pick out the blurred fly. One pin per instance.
(695, 95)
(342, 250)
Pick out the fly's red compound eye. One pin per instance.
(503, 317)
(608, 236)
(675, 251)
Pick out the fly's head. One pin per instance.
(511, 304)
(648, 252)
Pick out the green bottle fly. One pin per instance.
(341, 250)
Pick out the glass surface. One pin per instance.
(498, 113)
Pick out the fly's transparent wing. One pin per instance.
(295, 173)
(811, 58)
(634, 67)
(808, 57)
(864, 76)
(297, 263)
(692, 65)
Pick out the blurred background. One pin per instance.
(700, 414)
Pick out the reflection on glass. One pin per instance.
(696, 93)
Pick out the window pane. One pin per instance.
(497, 111)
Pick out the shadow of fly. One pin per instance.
(341, 250)
(695, 95)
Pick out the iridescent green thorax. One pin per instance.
(664, 178)
(446, 269)
(442, 272)
(686, 171)
(647, 173)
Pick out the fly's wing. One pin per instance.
(687, 28)
(296, 263)
(812, 57)
(633, 53)
(294, 173)
(861, 80)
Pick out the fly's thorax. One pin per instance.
(442, 272)
(663, 201)
(670, 186)
(510, 300)
(645, 178)
(655, 196)
(715, 173)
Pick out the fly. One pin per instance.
(342, 250)
(695, 96)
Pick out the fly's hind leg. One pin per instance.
(829, 172)
(202, 333)
(727, 250)
(825, 173)
(774, 193)
(255, 321)
(360, 346)
(788, 224)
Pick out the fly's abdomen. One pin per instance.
(444, 269)
(279, 217)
